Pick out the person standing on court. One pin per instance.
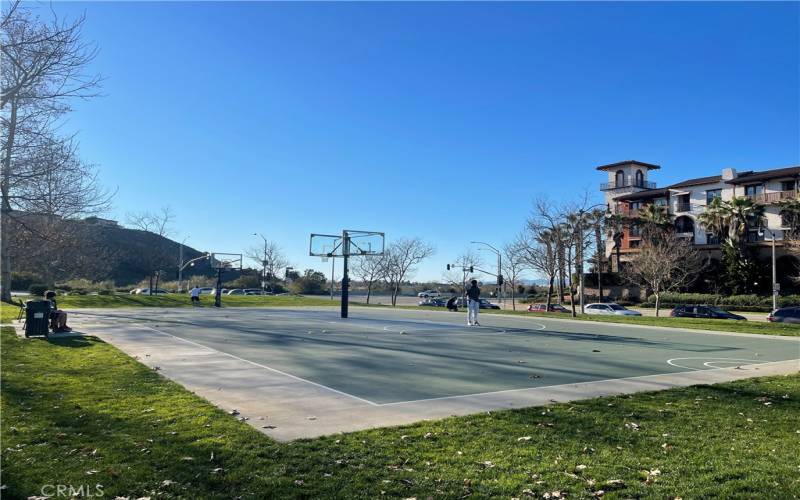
(195, 294)
(474, 296)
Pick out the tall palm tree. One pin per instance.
(598, 219)
(654, 221)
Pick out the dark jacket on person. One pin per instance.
(473, 292)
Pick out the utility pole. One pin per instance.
(775, 286)
(180, 264)
(263, 265)
(499, 269)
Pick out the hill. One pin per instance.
(95, 249)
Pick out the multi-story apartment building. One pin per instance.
(628, 190)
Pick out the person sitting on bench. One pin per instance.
(58, 318)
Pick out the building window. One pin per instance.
(788, 185)
(635, 231)
(711, 194)
(619, 179)
(660, 202)
(634, 243)
(684, 224)
(639, 178)
(753, 189)
(712, 239)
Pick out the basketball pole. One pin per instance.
(345, 275)
(218, 291)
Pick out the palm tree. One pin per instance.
(598, 218)
(654, 221)
(735, 217)
(714, 219)
(742, 214)
(790, 213)
(616, 224)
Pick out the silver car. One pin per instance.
(610, 309)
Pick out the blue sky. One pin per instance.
(436, 120)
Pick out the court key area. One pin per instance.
(305, 372)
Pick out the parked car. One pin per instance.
(235, 291)
(428, 293)
(785, 315)
(222, 291)
(485, 304)
(146, 291)
(206, 291)
(611, 309)
(433, 302)
(256, 291)
(692, 311)
(543, 308)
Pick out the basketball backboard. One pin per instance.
(226, 261)
(350, 243)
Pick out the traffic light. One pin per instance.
(471, 270)
(448, 267)
(500, 279)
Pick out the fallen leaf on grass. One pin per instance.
(524, 438)
(167, 482)
(615, 483)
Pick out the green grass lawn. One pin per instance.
(79, 412)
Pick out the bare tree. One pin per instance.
(369, 270)
(459, 274)
(544, 243)
(664, 265)
(271, 258)
(538, 250)
(43, 68)
(156, 224)
(400, 260)
(514, 265)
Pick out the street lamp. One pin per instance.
(581, 212)
(263, 264)
(775, 286)
(499, 266)
(180, 264)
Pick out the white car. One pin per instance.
(203, 291)
(610, 309)
(146, 291)
(428, 294)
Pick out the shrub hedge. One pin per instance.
(755, 303)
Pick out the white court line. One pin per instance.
(261, 366)
(712, 361)
(565, 385)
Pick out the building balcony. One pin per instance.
(608, 186)
(678, 208)
(626, 212)
(774, 197)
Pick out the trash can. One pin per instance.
(37, 318)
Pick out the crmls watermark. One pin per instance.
(70, 491)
